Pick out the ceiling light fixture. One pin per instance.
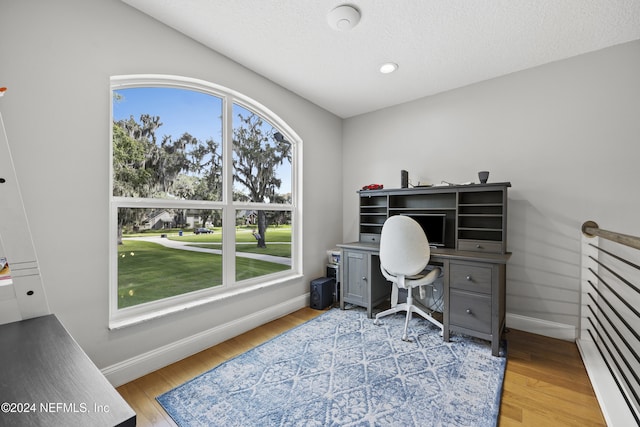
(388, 67)
(343, 18)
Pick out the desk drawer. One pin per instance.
(471, 311)
(369, 238)
(470, 277)
(479, 246)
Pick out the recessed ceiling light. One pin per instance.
(388, 67)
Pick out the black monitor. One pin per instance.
(434, 226)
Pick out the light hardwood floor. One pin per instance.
(545, 382)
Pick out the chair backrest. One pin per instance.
(404, 248)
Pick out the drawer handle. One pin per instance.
(364, 278)
(469, 278)
(478, 246)
(468, 310)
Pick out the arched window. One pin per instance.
(204, 196)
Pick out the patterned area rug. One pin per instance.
(339, 369)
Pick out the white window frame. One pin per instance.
(119, 318)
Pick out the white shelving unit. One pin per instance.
(22, 296)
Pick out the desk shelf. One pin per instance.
(373, 213)
(422, 210)
(476, 215)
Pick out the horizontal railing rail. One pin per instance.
(610, 321)
(590, 228)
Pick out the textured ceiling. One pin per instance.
(438, 44)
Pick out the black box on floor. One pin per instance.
(322, 292)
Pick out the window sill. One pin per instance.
(130, 319)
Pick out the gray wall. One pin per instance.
(56, 58)
(564, 134)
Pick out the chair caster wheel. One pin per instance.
(376, 322)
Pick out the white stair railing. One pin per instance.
(609, 338)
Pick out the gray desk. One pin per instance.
(47, 380)
(474, 287)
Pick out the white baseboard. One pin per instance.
(612, 403)
(541, 327)
(130, 369)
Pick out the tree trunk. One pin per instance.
(119, 233)
(262, 229)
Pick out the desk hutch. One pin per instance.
(473, 256)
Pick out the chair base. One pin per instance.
(410, 309)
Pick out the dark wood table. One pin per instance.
(46, 379)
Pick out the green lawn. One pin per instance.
(280, 236)
(149, 271)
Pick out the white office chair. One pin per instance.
(404, 254)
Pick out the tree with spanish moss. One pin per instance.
(257, 152)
